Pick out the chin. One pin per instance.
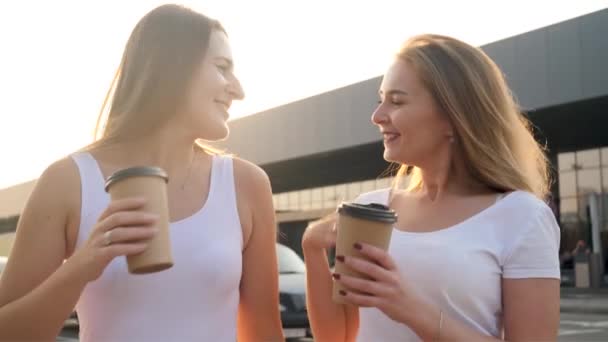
(394, 157)
(217, 133)
(390, 156)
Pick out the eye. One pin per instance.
(223, 68)
(396, 100)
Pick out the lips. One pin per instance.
(390, 137)
(225, 104)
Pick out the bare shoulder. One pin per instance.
(59, 182)
(56, 193)
(60, 178)
(249, 176)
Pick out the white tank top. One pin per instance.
(196, 299)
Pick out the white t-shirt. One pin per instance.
(460, 268)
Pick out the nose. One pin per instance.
(235, 89)
(380, 116)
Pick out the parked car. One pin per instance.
(292, 292)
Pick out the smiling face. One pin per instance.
(413, 127)
(212, 90)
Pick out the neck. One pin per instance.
(163, 148)
(447, 174)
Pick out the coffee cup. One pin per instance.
(360, 223)
(150, 183)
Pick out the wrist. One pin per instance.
(77, 270)
(310, 244)
(311, 249)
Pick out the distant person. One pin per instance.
(174, 86)
(474, 254)
(567, 258)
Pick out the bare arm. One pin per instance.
(329, 321)
(531, 309)
(259, 318)
(38, 251)
(38, 290)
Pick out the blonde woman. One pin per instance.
(474, 254)
(174, 86)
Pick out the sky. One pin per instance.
(58, 57)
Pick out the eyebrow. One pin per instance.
(393, 92)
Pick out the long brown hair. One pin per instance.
(495, 137)
(163, 52)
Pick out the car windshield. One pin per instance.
(289, 261)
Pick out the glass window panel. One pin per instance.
(329, 197)
(316, 205)
(316, 194)
(567, 184)
(568, 209)
(341, 193)
(305, 206)
(305, 199)
(605, 180)
(588, 158)
(383, 183)
(588, 181)
(294, 200)
(354, 189)
(329, 194)
(605, 156)
(317, 198)
(282, 201)
(565, 161)
(368, 185)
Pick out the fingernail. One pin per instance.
(340, 258)
(336, 276)
(358, 246)
(342, 293)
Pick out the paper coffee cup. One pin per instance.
(363, 223)
(150, 183)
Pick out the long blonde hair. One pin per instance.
(160, 58)
(497, 143)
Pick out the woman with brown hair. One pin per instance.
(474, 253)
(173, 88)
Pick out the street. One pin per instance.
(583, 327)
(573, 328)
